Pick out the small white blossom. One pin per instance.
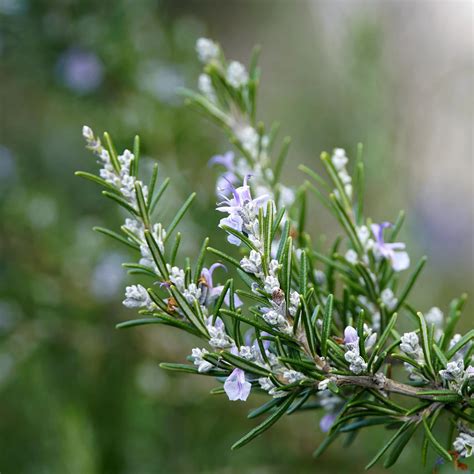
(206, 50)
(206, 88)
(410, 344)
(351, 256)
(292, 376)
(320, 277)
(339, 159)
(271, 284)
(192, 293)
(202, 364)
(136, 296)
(294, 302)
(176, 276)
(237, 74)
(464, 444)
(252, 263)
(434, 316)
(388, 298)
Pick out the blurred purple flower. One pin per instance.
(394, 252)
(327, 421)
(80, 70)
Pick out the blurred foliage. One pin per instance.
(76, 396)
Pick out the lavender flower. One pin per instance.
(357, 364)
(243, 212)
(210, 292)
(394, 252)
(236, 387)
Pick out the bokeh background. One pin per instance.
(78, 396)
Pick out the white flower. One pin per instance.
(434, 316)
(388, 298)
(357, 363)
(351, 256)
(206, 50)
(292, 376)
(464, 444)
(273, 267)
(294, 302)
(135, 227)
(320, 277)
(339, 159)
(87, 133)
(454, 371)
(410, 344)
(206, 88)
(136, 296)
(176, 276)
(192, 293)
(252, 263)
(248, 138)
(237, 74)
(271, 284)
(197, 355)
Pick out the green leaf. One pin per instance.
(468, 337)
(357, 425)
(113, 154)
(179, 215)
(326, 328)
(224, 256)
(156, 254)
(383, 339)
(441, 357)
(137, 322)
(98, 180)
(117, 237)
(151, 187)
(425, 342)
(200, 260)
(399, 446)
(158, 194)
(244, 364)
(136, 154)
(326, 443)
(303, 273)
(142, 206)
(408, 287)
(281, 159)
(264, 408)
(121, 201)
(436, 445)
(190, 369)
(188, 311)
(359, 192)
(390, 442)
(271, 420)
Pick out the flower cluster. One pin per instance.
(308, 327)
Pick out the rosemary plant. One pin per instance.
(310, 330)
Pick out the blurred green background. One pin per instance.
(77, 396)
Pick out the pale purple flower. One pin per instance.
(236, 387)
(394, 251)
(234, 221)
(350, 336)
(327, 421)
(81, 71)
(212, 292)
(226, 160)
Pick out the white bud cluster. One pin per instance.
(340, 160)
(136, 296)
